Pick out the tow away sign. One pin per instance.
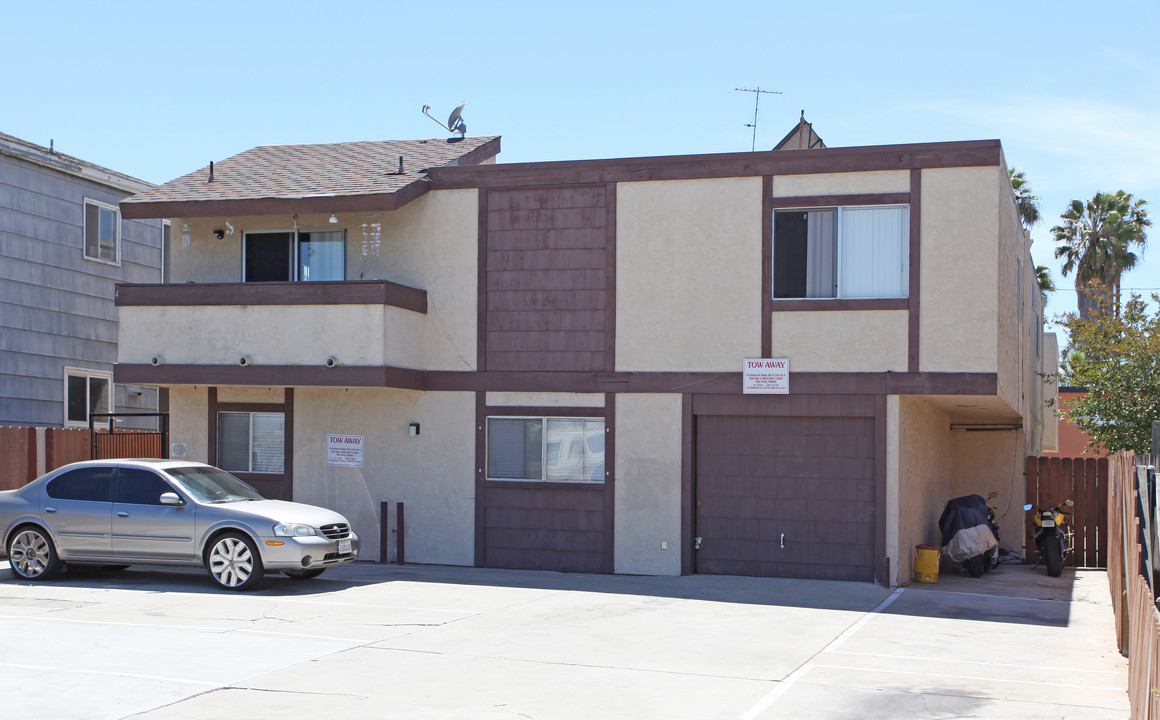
(344, 450)
(766, 376)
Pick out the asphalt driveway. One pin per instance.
(371, 641)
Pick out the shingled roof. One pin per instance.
(321, 178)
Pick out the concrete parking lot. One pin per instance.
(371, 641)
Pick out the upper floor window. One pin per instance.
(85, 392)
(102, 231)
(843, 252)
(294, 255)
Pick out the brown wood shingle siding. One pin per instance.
(546, 291)
(545, 526)
(786, 496)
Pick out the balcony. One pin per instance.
(364, 332)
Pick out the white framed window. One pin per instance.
(842, 252)
(85, 392)
(306, 255)
(102, 232)
(251, 442)
(545, 449)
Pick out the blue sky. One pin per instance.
(157, 89)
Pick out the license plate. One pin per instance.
(344, 547)
(1046, 523)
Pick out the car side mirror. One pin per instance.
(1028, 506)
(171, 498)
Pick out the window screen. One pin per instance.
(252, 442)
(545, 449)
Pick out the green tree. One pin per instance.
(1026, 203)
(1115, 355)
(1096, 240)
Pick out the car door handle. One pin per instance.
(122, 514)
(50, 509)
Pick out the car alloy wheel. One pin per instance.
(32, 555)
(234, 562)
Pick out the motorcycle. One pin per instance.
(1053, 536)
(970, 536)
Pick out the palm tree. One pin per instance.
(1096, 240)
(1043, 278)
(1026, 203)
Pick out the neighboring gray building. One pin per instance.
(63, 247)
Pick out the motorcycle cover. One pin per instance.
(965, 530)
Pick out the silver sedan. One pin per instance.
(117, 513)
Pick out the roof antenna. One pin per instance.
(757, 93)
(455, 123)
(211, 171)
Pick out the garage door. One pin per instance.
(785, 496)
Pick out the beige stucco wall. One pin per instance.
(982, 462)
(924, 476)
(523, 399)
(958, 331)
(648, 484)
(188, 422)
(852, 183)
(830, 341)
(272, 334)
(432, 474)
(431, 243)
(688, 282)
(1015, 309)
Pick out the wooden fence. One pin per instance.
(26, 453)
(1085, 481)
(1131, 537)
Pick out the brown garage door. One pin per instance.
(785, 496)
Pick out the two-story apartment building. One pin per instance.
(546, 361)
(63, 247)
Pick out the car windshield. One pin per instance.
(210, 485)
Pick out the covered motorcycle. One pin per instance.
(968, 534)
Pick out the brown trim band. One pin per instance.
(766, 266)
(880, 478)
(813, 201)
(974, 153)
(801, 383)
(915, 280)
(346, 292)
(271, 375)
(798, 305)
(371, 202)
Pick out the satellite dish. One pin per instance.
(455, 123)
(455, 120)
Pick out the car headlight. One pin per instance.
(293, 530)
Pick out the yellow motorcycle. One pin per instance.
(1053, 536)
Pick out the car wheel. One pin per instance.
(304, 574)
(32, 555)
(234, 563)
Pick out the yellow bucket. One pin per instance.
(926, 563)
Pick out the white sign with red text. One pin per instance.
(766, 376)
(344, 450)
